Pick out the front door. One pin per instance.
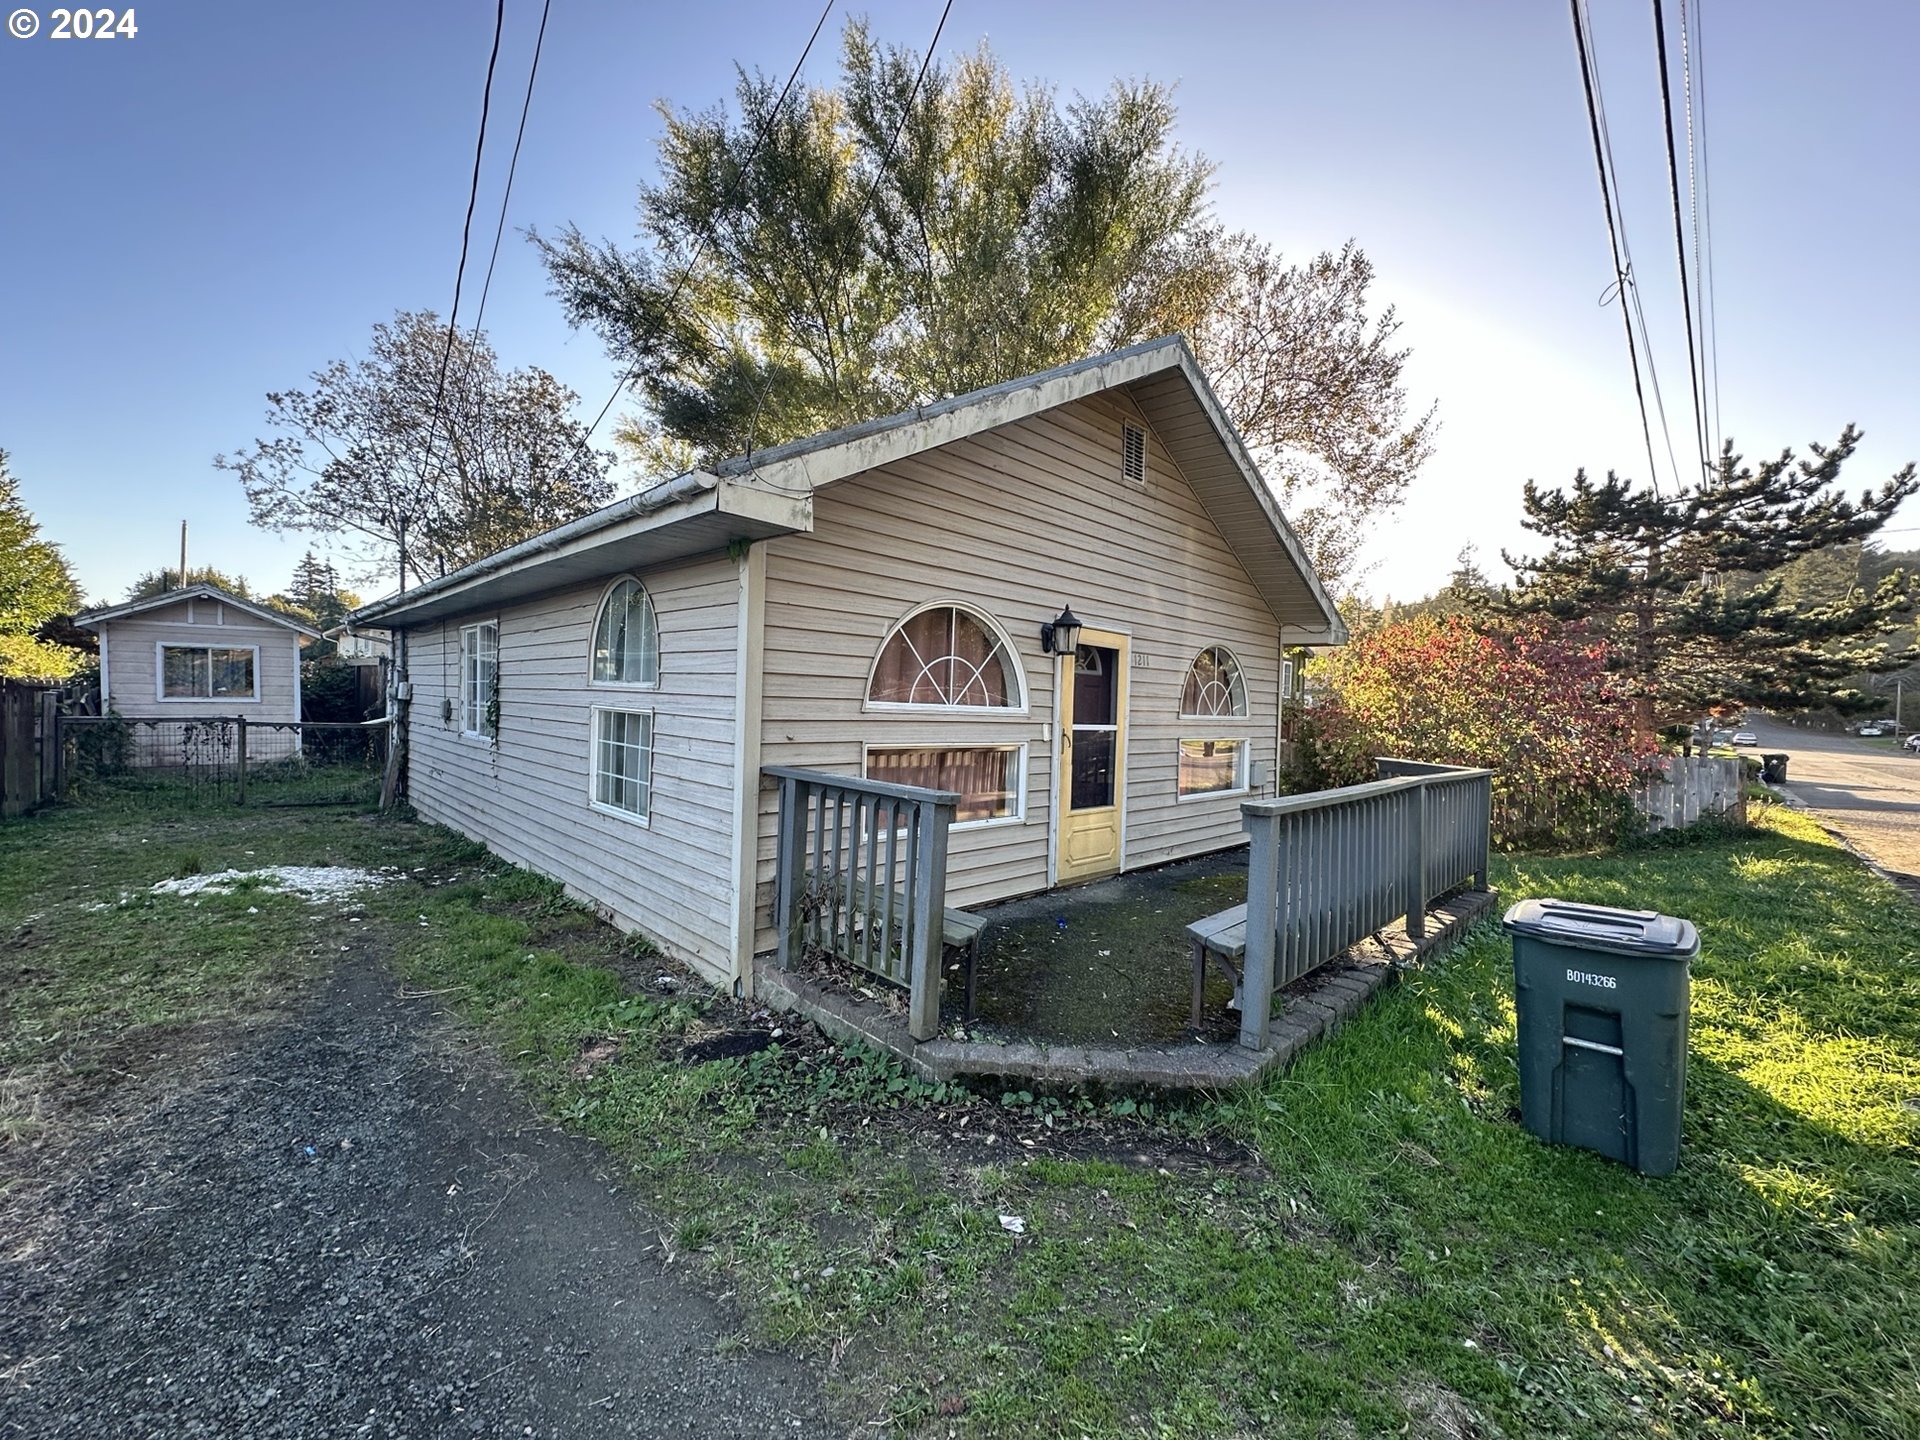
(1093, 751)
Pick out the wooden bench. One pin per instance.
(959, 930)
(1223, 936)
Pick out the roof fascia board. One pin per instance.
(89, 619)
(723, 497)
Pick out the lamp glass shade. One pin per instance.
(1066, 632)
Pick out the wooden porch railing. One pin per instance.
(1327, 869)
(861, 872)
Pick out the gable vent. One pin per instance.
(1133, 454)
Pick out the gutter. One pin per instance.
(647, 502)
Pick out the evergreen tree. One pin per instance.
(35, 587)
(1690, 590)
(799, 270)
(157, 582)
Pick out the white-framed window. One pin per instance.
(991, 780)
(207, 672)
(480, 679)
(1214, 688)
(626, 637)
(1286, 679)
(946, 656)
(621, 765)
(1212, 767)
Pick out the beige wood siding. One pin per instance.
(130, 651)
(984, 521)
(526, 796)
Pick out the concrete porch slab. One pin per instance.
(1304, 1011)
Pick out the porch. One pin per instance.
(1185, 976)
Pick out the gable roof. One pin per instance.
(770, 492)
(93, 619)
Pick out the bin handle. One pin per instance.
(1577, 1042)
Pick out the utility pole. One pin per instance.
(183, 555)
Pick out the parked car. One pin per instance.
(1723, 737)
(1913, 741)
(1745, 737)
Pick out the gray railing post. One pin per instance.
(240, 755)
(1416, 862)
(930, 822)
(790, 869)
(1263, 929)
(1483, 838)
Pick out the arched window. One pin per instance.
(626, 638)
(946, 657)
(1214, 687)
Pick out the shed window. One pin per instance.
(623, 761)
(208, 672)
(949, 658)
(626, 638)
(1214, 687)
(986, 777)
(479, 678)
(1211, 767)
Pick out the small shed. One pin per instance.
(198, 654)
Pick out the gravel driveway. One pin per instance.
(354, 1226)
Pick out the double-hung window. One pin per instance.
(480, 679)
(622, 762)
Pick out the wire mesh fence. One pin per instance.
(219, 760)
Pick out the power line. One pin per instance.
(513, 164)
(1615, 236)
(1680, 235)
(466, 229)
(1692, 58)
(873, 184)
(705, 239)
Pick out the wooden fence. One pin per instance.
(29, 751)
(1329, 868)
(1676, 791)
(861, 874)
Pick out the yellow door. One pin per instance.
(1093, 750)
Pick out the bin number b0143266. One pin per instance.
(1588, 977)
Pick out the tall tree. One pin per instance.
(1689, 587)
(150, 583)
(798, 270)
(36, 586)
(364, 455)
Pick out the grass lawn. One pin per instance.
(1367, 1244)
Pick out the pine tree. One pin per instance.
(36, 586)
(1689, 587)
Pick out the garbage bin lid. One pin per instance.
(1603, 927)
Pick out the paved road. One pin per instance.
(356, 1226)
(1868, 793)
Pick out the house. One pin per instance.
(197, 654)
(598, 703)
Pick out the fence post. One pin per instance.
(1263, 928)
(790, 866)
(1483, 825)
(240, 753)
(930, 822)
(1417, 863)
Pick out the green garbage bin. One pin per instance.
(1773, 768)
(1601, 996)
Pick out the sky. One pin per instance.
(220, 204)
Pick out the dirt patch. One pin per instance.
(726, 1045)
(351, 1222)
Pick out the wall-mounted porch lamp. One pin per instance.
(1061, 635)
